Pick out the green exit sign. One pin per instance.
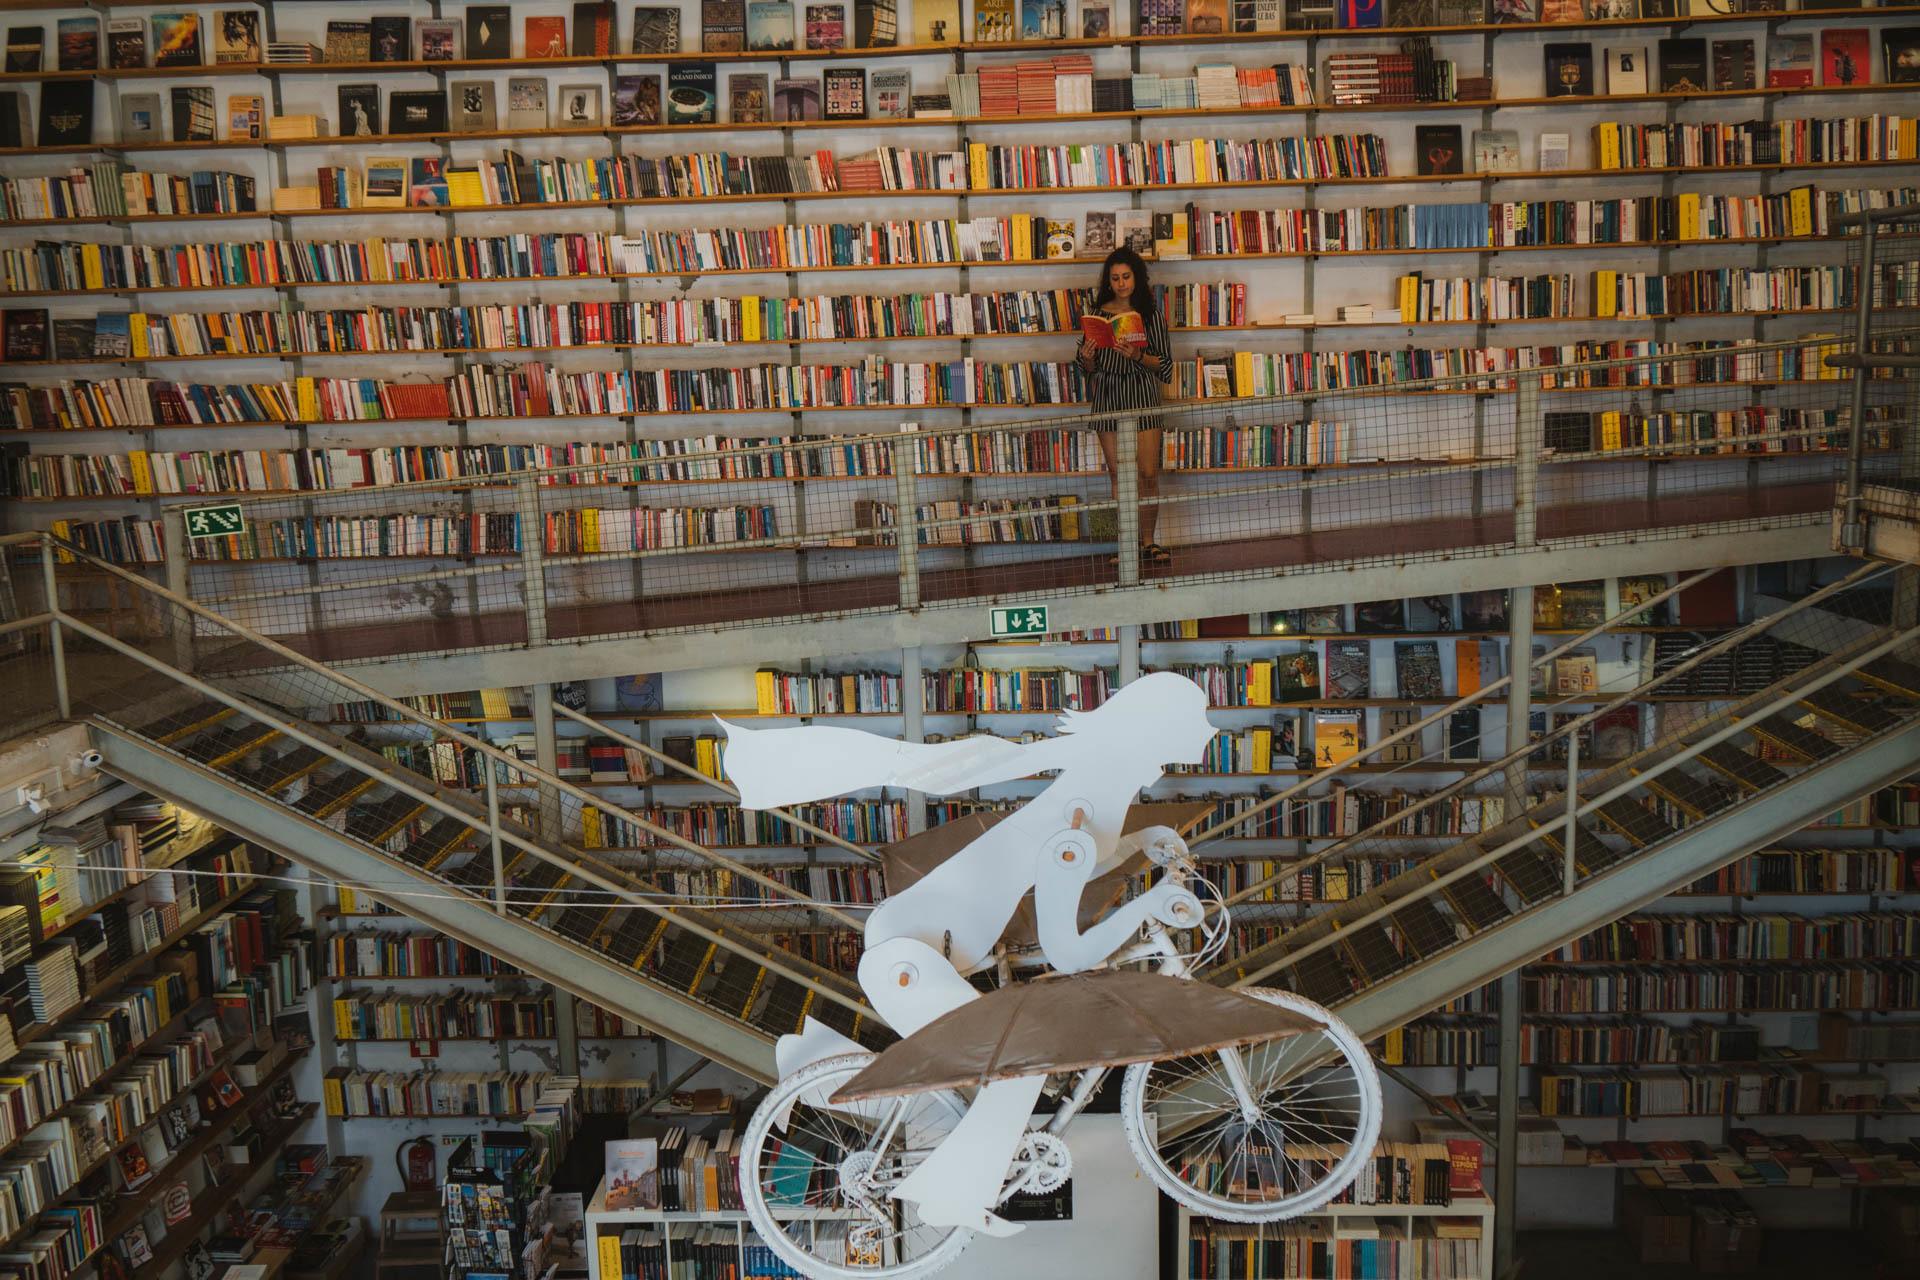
(215, 522)
(1030, 621)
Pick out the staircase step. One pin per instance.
(1751, 774)
(220, 747)
(328, 795)
(1854, 713)
(431, 847)
(184, 724)
(1424, 928)
(634, 941)
(1634, 821)
(1590, 851)
(1373, 952)
(1693, 796)
(277, 773)
(1533, 875)
(836, 1015)
(737, 986)
(1797, 739)
(1322, 977)
(685, 961)
(1476, 902)
(374, 822)
(1894, 676)
(786, 1006)
(589, 925)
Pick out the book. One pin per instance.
(1209, 17)
(1483, 610)
(1416, 665)
(892, 93)
(193, 116)
(769, 25)
(656, 29)
(1123, 330)
(636, 100)
(416, 111)
(349, 41)
(545, 37)
(236, 36)
(1846, 56)
(1099, 236)
(1626, 71)
(66, 113)
(139, 117)
(1436, 148)
(1512, 12)
(1789, 61)
(938, 22)
(1733, 65)
(1096, 20)
(1296, 677)
(997, 21)
(594, 22)
(426, 175)
(749, 101)
(473, 108)
(796, 98)
(1349, 670)
(1616, 733)
(489, 32)
(1683, 65)
(1569, 70)
(1337, 737)
(390, 39)
(693, 91)
(1059, 238)
(439, 40)
(1496, 151)
(1900, 55)
(1134, 229)
(844, 92)
(1556, 152)
(126, 43)
(579, 106)
(527, 102)
(1639, 590)
(633, 1173)
(176, 40)
(25, 48)
(24, 334)
(383, 186)
(359, 110)
(1464, 1158)
(1380, 616)
(826, 26)
(723, 26)
(1462, 735)
(876, 24)
(78, 42)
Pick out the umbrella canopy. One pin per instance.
(1103, 1019)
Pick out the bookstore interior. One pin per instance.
(461, 817)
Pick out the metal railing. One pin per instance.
(1883, 254)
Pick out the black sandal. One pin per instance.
(1154, 553)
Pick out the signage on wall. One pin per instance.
(1030, 621)
(215, 522)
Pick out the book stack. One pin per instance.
(16, 936)
(1219, 86)
(1360, 78)
(53, 981)
(999, 89)
(285, 128)
(292, 51)
(1113, 93)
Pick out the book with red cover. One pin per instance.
(1464, 1156)
(546, 37)
(1123, 330)
(1846, 56)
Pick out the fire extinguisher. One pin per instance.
(415, 1160)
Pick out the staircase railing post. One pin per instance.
(906, 515)
(533, 546)
(492, 771)
(1529, 434)
(1853, 534)
(1506, 1172)
(1126, 496)
(177, 553)
(1573, 811)
(59, 641)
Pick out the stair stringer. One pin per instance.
(1695, 851)
(543, 955)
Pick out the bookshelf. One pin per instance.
(1344, 1239)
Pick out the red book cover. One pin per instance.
(1846, 56)
(546, 37)
(1464, 1156)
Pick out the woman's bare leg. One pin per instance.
(1149, 453)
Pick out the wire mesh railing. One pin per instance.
(511, 545)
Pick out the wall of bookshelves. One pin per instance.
(1316, 285)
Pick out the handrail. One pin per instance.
(1435, 884)
(1738, 635)
(661, 757)
(1892, 213)
(479, 745)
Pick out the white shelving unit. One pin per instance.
(1405, 1215)
(600, 1218)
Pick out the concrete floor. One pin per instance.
(1785, 1255)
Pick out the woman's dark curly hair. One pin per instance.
(1142, 288)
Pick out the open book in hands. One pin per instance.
(1124, 330)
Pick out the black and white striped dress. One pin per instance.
(1120, 383)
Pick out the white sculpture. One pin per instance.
(922, 943)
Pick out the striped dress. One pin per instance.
(1120, 383)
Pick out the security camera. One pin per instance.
(86, 762)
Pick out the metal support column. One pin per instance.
(906, 516)
(1853, 533)
(913, 727)
(179, 574)
(546, 754)
(566, 1030)
(1519, 711)
(1126, 494)
(533, 570)
(1129, 638)
(58, 638)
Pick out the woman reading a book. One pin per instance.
(1123, 348)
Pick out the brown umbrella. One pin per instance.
(1102, 1019)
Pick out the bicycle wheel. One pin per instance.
(1316, 1118)
(816, 1179)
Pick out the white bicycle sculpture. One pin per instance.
(1248, 1106)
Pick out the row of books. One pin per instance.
(953, 523)
(1722, 144)
(857, 885)
(71, 265)
(1774, 936)
(503, 1095)
(363, 1015)
(1816, 871)
(1802, 987)
(861, 821)
(1612, 294)
(367, 953)
(1474, 1042)
(1334, 881)
(1710, 1091)
(1441, 1249)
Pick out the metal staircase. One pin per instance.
(223, 721)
